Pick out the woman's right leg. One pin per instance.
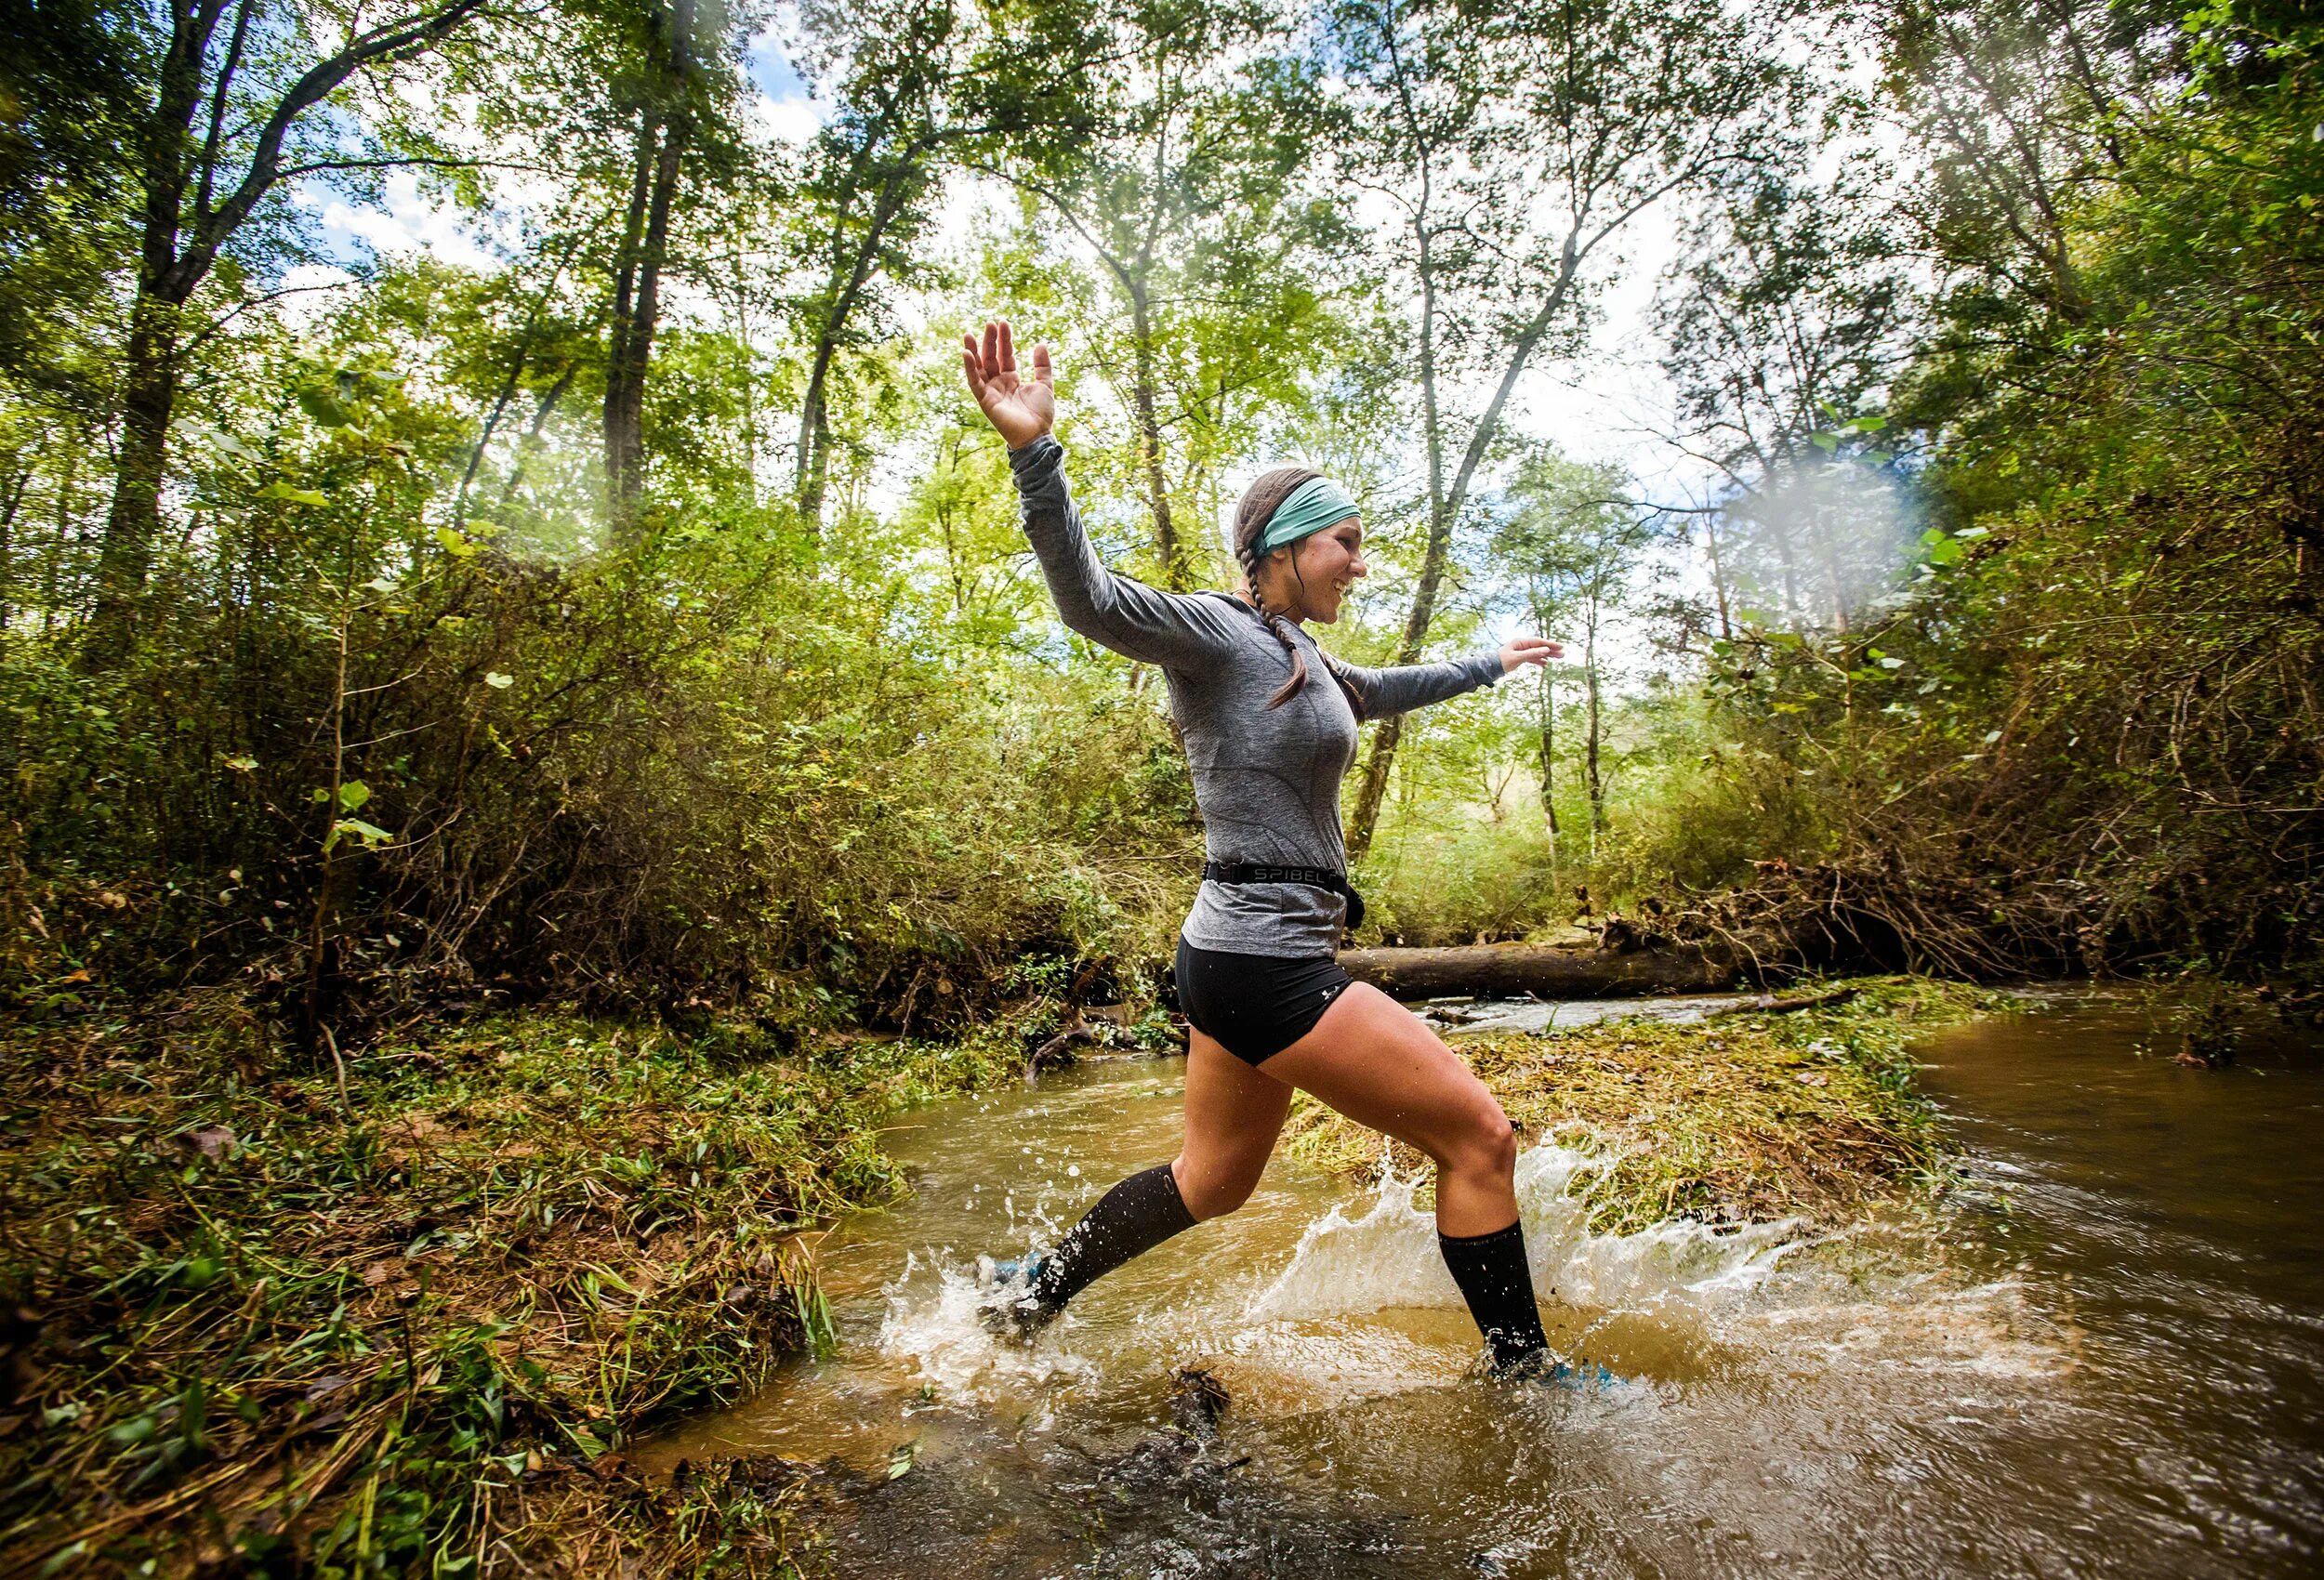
(1234, 1111)
(1377, 1062)
(1234, 1114)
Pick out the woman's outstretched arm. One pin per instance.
(1407, 686)
(1131, 618)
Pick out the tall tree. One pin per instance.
(1187, 196)
(2022, 113)
(636, 114)
(515, 340)
(667, 119)
(1511, 144)
(918, 87)
(237, 111)
(868, 190)
(1578, 546)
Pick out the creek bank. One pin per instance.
(1775, 1108)
(266, 1318)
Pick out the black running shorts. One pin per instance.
(1256, 1004)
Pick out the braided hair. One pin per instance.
(1259, 503)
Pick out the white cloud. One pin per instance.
(794, 120)
(784, 108)
(309, 291)
(407, 223)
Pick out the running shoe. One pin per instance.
(1545, 1368)
(1007, 1305)
(1588, 1378)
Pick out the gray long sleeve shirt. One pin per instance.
(1267, 781)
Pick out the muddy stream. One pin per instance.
(2105, 1357)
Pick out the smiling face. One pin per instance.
(1308, 579)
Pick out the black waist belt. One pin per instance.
(1314, 878)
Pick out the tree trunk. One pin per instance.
(636, 318)
(1717, 577)
(68, 500)
(811, 472)
(1150, 438)
(625, 298)
(637, 311)
(507, 393)
(149, 398)
(1390, 731)
(815, 433)
(17, 489)
(1589, 682)
(1549, 753)
(149, 391)
(532, 439)
(321, 933)
(1446, 499)
(1507, 970)
(510, 385)
(1374, 787)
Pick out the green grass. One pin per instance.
(1811, 1115)
(408, 1331)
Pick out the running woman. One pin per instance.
(1269, 721)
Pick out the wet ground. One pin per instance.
(2105, 1357)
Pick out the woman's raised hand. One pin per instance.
(1022, 409)
(1529, 649)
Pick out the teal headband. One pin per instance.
(1306, 511)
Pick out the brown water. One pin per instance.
(2107, 1358)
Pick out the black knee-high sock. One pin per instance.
(1498, 1285)
(1131, 1219)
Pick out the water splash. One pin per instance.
(1388, 1256)
(933, 1324)
(1312, 1329)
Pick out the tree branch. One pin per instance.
(429, 162)
(387, 42)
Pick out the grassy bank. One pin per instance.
(1758, 1117)
(400, 1317)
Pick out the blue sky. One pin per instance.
(771, 70)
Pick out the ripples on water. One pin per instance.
(2121, 1373)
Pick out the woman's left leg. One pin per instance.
(1375, 1062)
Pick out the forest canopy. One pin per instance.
(487, 508)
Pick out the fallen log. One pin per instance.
(1509, 970)
(1052, 1052)
(1769, 1004)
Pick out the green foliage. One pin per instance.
(1206, 313)
(2080, 707)
(684, 772)
(2011, 587)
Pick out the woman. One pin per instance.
(1270, 724)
